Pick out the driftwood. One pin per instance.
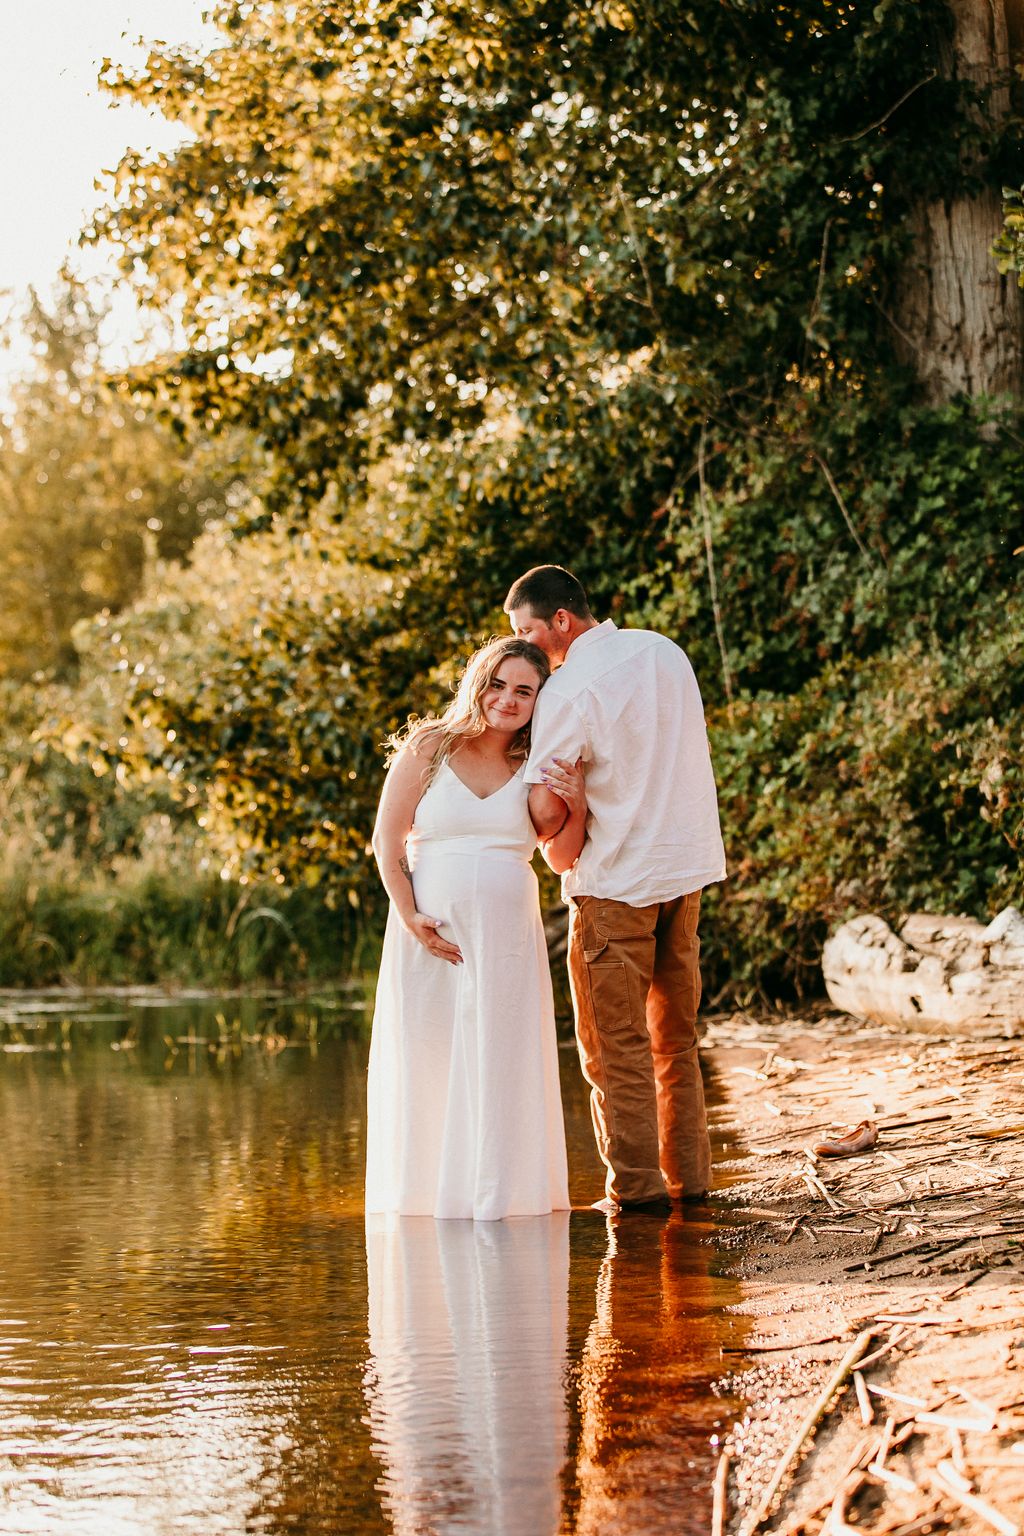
(720, 1507)
(938, 973)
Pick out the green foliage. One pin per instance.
(844, 537)
(106, 883)
(1009, 248)
(139, 923)
(389, 214)
(91, 488)
(872, 757)
(250, 683)
(888, 787)
(609, 285)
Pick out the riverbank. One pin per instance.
(897, 1274)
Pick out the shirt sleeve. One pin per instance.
(557, 731)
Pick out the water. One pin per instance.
(199, 1334)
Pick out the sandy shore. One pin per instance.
(909, 1257)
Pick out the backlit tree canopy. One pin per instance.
(391, 210)
(91, 486)
(654, 290)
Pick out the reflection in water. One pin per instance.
(184, 1294)
(466, 1388)
(647, 1411)
(182, 1290)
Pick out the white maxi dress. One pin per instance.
(464, 1117)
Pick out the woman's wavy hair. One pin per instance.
(464, 717)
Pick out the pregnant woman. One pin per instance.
(464, 1117)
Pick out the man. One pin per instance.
(627, 703)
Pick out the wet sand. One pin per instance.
(911, 1253)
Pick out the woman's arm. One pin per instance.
(400, 796)
(563, 848)
(547, 811)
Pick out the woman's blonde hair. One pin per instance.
(464, 717)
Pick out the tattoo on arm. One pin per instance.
(403, 864)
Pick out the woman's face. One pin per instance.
(510, 696)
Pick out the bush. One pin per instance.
(888, 786)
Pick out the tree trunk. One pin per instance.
(961, 321)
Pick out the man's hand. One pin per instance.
(424, 931)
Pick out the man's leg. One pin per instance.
(685, 1149)
(611, 962)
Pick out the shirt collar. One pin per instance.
(588, 637)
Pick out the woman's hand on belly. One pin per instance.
(424, 931)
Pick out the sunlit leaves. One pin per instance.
(471, 198)
(605, 284)
(92, 490)
(1009, 247)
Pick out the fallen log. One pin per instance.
(943, 974)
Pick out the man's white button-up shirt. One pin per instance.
(627, 702)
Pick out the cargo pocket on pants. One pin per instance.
(609, 996)
(593, 942)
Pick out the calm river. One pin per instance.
(200, 1335)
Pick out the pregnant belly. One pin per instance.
(476, 895)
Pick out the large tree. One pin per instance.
(391, 210)
(959, 317)
(657, 252)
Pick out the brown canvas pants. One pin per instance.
(635, 979)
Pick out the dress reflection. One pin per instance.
(465, 1387)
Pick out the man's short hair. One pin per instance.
(544, 590)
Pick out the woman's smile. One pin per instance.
(508, 701)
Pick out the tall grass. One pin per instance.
(161, 918)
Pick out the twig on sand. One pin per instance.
(972, 1279)
(946, 1421)
(896, 1479)
(815, 1185)
(885, 1440)
(899, 1125)
(867, 1413)
(807, 1426)
(976, 1402)
(915, 1319)
(837, 1521)
(877, 1467)
(927, 1243)
(898, 1397)
(949, 1482)
(753, 1348)
(719, 1508)
(895, 1335)
(932, 1520)
(857, 1462)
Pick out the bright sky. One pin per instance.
(59, 131)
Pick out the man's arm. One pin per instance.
(557, 731)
